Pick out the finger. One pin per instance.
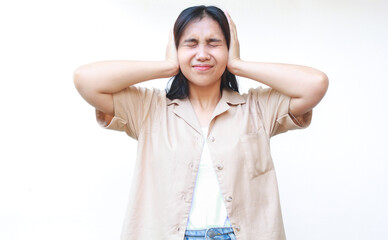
(232, 25)
(229, 18)
(227, 15)
(230, 21)
(170, 35)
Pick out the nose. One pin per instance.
(202, 53)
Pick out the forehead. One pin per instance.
(203, 28)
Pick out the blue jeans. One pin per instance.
(219, 233)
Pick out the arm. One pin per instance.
(96, 82)
(306, 86)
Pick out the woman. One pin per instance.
(204, 169)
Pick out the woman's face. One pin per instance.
(203, 52)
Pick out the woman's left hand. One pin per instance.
(234, 48)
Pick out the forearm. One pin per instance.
(304, 85)
(294, 81)
(113, 76)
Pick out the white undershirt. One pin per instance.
(207, 208)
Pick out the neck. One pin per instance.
(205, 98)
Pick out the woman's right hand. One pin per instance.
(96, 82)
(172, 55)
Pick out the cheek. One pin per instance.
(184, 62)
(222, 57)
(183, 58)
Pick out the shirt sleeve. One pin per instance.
(132, 106)
(274, 109)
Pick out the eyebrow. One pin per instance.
(191, 40)
(214, 40)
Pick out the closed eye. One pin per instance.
(191, 42)
(214, 42)
(214, 45)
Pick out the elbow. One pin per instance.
(317, 89)
(79, 78)
(323, 84)
(313, 94)
(320, 86)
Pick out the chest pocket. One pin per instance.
(256, 153)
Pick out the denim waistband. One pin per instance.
(218, 233)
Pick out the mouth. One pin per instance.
(202, 67)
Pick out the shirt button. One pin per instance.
(236, 228)
(212, 139)
(191, 165)
(229, 198)
(220, 166)
(186, 199)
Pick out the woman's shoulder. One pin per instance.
(142, 92)
(255, 92)
(264, 95)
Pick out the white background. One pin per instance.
(63, 177)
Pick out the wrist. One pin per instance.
(235, 66)
(170, 68)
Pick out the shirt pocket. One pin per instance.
(255, 151)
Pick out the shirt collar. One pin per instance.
(184, 109)
(229, 96)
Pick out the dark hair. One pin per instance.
(179, 87)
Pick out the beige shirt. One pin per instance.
(169, 151)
